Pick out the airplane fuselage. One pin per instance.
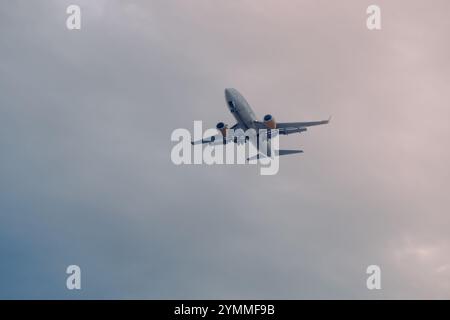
(245, 117)
(240, 109)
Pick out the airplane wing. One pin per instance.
(286, 128)
(283, 125)
(214, 140)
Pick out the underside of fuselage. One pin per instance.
(245, 117)
(240, 109)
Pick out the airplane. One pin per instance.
(246, 119)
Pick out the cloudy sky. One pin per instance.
(85, 170)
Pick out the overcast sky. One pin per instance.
(85, 170)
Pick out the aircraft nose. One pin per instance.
(228, 94)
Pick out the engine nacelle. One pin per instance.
(269, 121)
(222, 127)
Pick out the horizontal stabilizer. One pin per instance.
(280, 153)
(286, 152)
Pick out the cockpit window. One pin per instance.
(232, 106)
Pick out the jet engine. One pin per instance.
(269, 121)
(222, 127)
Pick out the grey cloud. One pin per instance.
(86, 177)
